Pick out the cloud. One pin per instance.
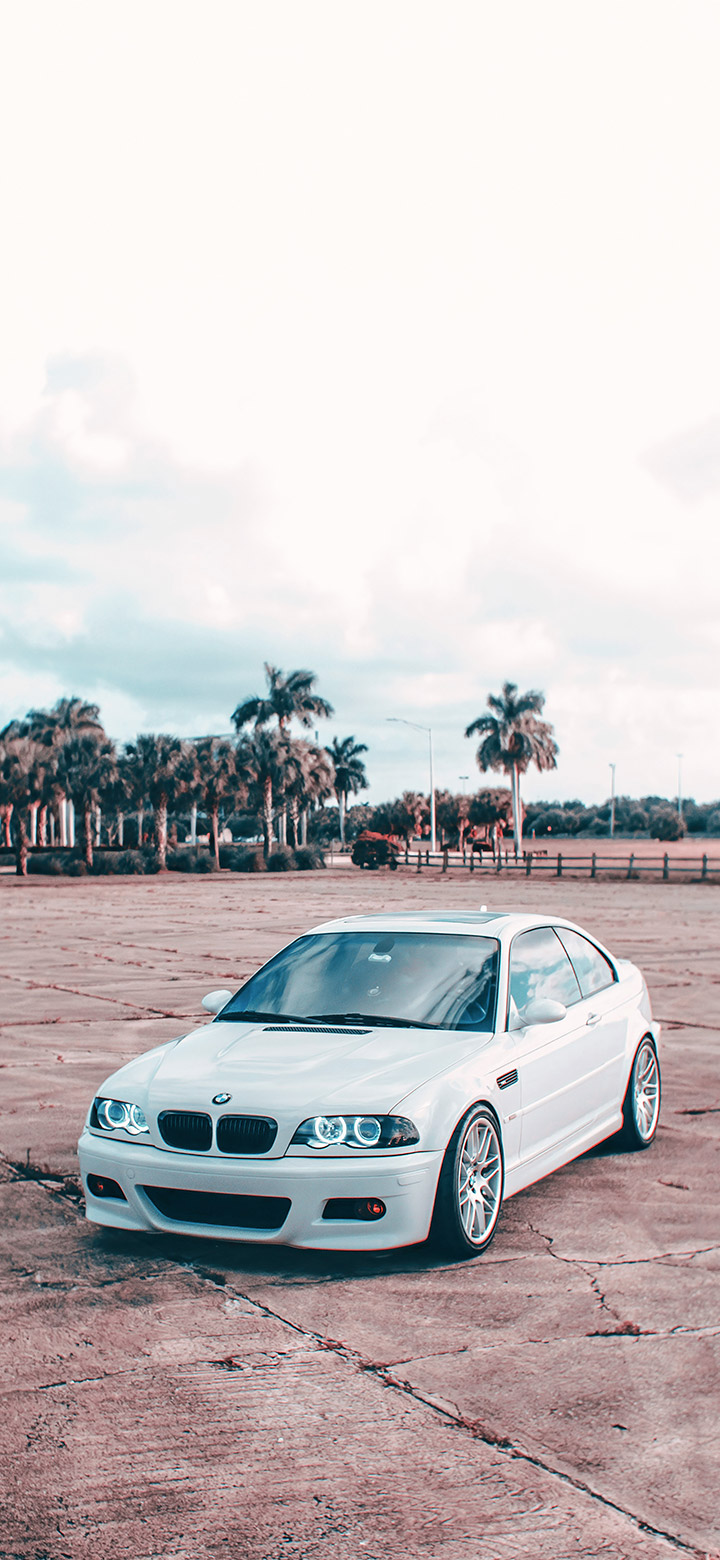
(158, 587)
(689, 463)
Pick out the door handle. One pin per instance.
(592, 1018)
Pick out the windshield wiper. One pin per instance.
(238, 1016)
(378, 1019)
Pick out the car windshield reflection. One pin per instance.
(421, 979)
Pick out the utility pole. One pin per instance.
(402, 721)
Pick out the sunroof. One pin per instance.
(466, 916)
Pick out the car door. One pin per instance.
(552, 1059)
(607, 1014)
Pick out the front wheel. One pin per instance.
(470, 1187)
(641, 1106)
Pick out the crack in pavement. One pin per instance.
(609, 1262)
(384, 1374)
(453, 1416)
(57, 1184)
(92, 996)
(258, 1361)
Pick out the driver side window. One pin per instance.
(539, 967)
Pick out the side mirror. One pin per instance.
(215, 1001)
(543, 1010)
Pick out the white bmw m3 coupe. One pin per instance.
(382, 1079)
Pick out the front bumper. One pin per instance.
(406, 1183)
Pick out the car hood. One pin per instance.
(290, 1075)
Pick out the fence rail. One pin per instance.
(697, 868)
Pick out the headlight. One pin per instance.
(357, 1132)
(113, 1115)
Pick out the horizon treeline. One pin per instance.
(267, 784)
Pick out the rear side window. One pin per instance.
(593, 970)
(539, 967)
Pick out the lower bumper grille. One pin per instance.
(228, 1210)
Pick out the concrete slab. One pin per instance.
(188, 1398)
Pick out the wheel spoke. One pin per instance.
(479, 1180)
(646, 1091)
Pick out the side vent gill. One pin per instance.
(505, 1080)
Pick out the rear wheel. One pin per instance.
(641, 1106)
(470, 1188)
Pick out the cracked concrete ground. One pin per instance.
(557, 1397)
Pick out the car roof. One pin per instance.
(490, 923)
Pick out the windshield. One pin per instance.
(432, 979)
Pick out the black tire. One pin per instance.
(392, 864)
(464, 1227)
(641, 1106)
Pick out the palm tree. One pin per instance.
(218, 780)
(22, 775)
(350, 776)
(308, 779)
(288, 698)
(87, 771)
(512, 739)
(157, 764)
(69, 717)
(263, 756)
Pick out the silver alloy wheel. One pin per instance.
(646, 1091)
(479, 1180)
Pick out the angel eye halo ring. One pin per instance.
(358, 1132)
(119, 1115)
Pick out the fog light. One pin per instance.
(366, 1208)
(102, 1186)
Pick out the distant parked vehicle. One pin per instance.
(375, 850)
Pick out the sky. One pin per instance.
(378, 340)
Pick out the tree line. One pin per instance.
(59, 764)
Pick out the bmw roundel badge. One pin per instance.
(221, 1099)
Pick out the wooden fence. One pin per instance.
(698, 869)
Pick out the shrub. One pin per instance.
(190, 861)
(248, 858)
(49, 866)
(131, 863)
(712, 825)
(105, 863)
(308, 858)
(667, 826)
(281, 860)
(76, 868)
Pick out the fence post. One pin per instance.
(419, 865)
(528, 863)
(407, 855)
(445, 860)
(498, 866)
(427, 858)
(703, 874)
(559, 865)
(472, 861)
(666, 871)
(592, 869)
(631, 864)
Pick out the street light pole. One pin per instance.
(400, 719)
(612, 802)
